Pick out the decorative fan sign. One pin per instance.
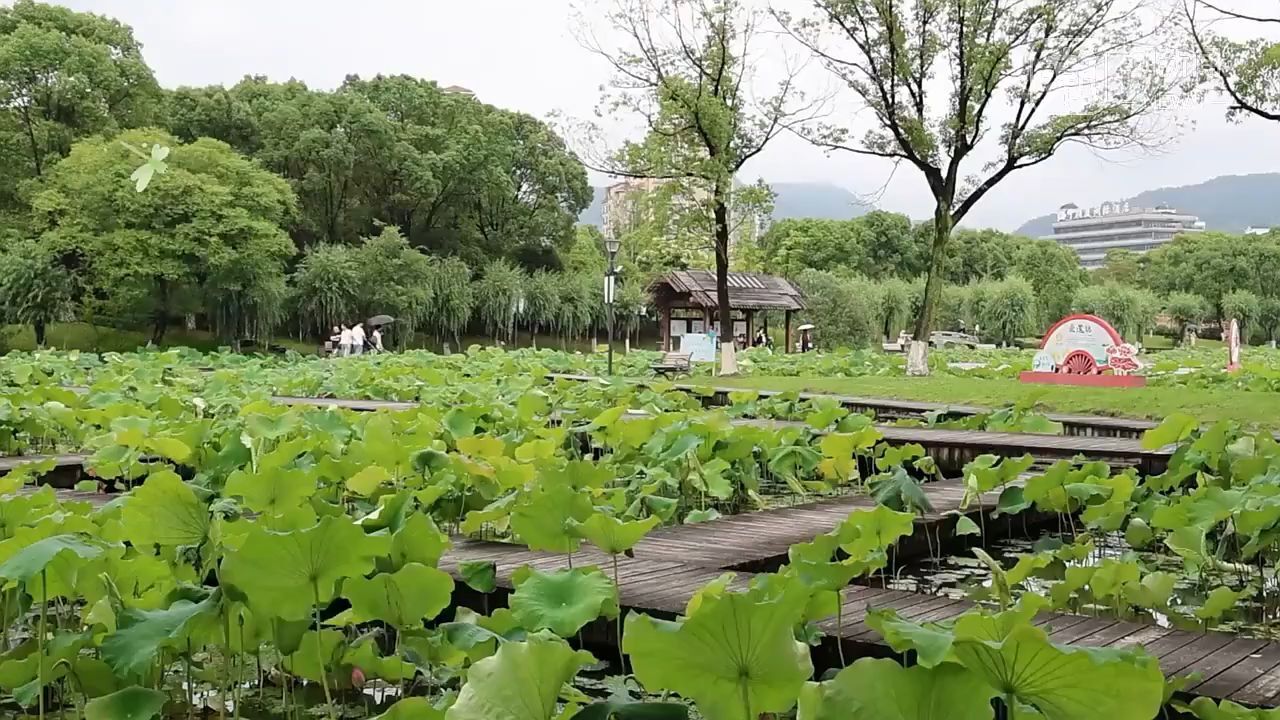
(1085, 350)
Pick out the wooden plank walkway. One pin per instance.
(885, 407)
(762, 538)
(1244, 670)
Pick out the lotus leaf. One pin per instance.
(521, 681)
(736, 656)
(884, 690)
(562, 601)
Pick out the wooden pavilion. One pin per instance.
(686, 302)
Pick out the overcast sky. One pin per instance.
(521, 54)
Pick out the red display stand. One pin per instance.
(1084, 350)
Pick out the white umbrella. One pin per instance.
(806, 326)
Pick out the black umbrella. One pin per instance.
(377, 320)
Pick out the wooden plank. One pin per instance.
(1229, 683)
(1172, 642)
(1069, 634)
(1262, 690)
(1109, 634)
(1240, 650)
(1202, 647)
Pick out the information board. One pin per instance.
(700, 346)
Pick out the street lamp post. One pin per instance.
(611, 245)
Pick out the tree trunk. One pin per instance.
(160, 316)
(917, 357)
(40, 330)
(728, 362)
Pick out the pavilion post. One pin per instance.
(751, 331)
(664, 317)
(787, 330)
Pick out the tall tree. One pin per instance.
(211, 225)
(1246, 72)
(64, 75)
(685, 68)
(935, 75)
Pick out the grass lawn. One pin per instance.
(82, 336)
(1155, 403)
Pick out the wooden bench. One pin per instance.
(672, 364)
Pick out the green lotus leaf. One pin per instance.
(1061, 683)
(868, 533)
(142, 633)
(418, 541)
(131, 703)
(318, 656)
(612, 535)
(164, 510)
(286, 575)
(271, 493)
(931, 643)
(1173, 429)
(479, 575)
(1138, 533)
(1205, 708)
(169, 448)
(541, 518)
(736, 656)
(562, 601)
(522, 681)
(368, 480)
(700, 516)
(873, 689)
(1220, 600)
(403, 599)
(32, 559)
(364, 656)
(966, 526)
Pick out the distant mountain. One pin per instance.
(793, 200)
(1229, 203)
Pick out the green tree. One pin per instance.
(894, 307)
(1245, 307)
(1054, 273)
(1246, 72)
(691, 84)
(1126, 309)
(34, 288)
(452, 299)
(1213, 264)
(1269, 317)
(1009, 310)
(934, 74)
(326, 288)
(1121, 266)
(498, 295)
(211, 224)
(394, 279)
(977, 255)
(840, 308)
(64, 75)
(1186, 310)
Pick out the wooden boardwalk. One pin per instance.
(1244, 670)
(885, 408)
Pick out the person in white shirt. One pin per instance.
(344, 341)
(357, 339)
(377, 339)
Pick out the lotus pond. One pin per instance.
(286, 562)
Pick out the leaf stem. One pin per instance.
(324, 679)
(622, 660)
(44, 602)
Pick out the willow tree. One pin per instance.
(968, 92)
(686, 68)
(1247, 72)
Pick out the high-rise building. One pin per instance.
(625, 209)
(1116, 226)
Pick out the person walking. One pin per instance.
(344, 341)
(377, 339)
(357, 339)
(331, 345)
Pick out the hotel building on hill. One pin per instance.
(1114, 225)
